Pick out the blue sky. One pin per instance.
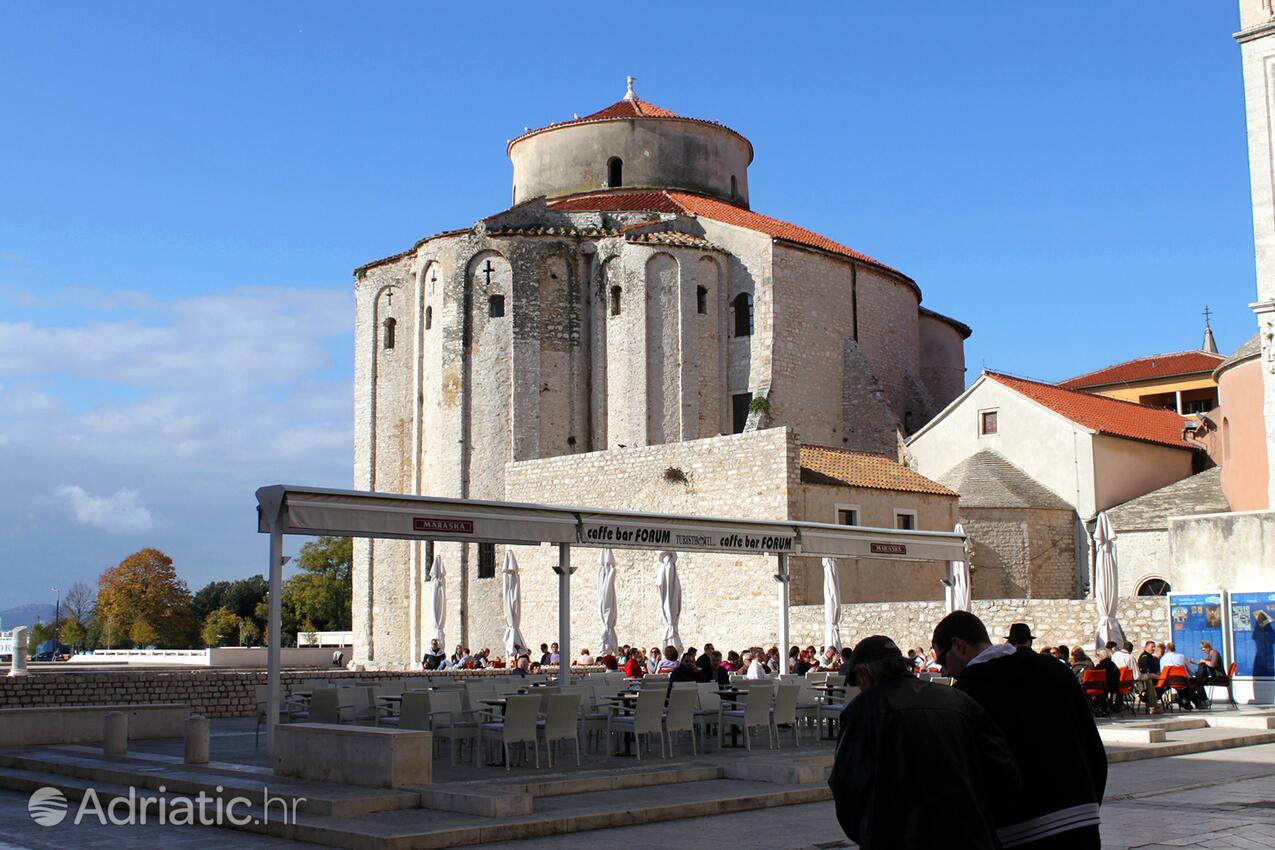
(185, 188)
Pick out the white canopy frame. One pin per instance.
(313, 511)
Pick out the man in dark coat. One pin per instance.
(1041, 709)
(917, 765)
(705, 664)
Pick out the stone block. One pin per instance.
(354, 755)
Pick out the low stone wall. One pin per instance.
(1054, 621)
(212, 693)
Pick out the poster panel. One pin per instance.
(1195, 617)
(1253, 634)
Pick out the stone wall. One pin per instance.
(1053, 621)
(1022, 552)
(749, 475)
(212, 693)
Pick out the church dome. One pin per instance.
(631, 144)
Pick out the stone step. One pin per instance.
(145, 774)
(419, 829)
(557, 815)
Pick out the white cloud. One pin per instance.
(118, 514)
(194, 401)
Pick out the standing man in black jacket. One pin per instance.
(900, 735)
(1039, 706)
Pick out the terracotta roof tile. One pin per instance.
(1147, 368)
(673, 238)
(841, 468)
(685, 203)
(1105, 415)
(655, 201)
(621, 110)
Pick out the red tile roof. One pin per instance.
(1157, 366)
(685, 203)
(841, 468)
(1105, 415)
(622, 110)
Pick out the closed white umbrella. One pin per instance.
(670, 588)
(513, 605)
(958, 590)
(606, 602)
(831, 604)
(1106, 583)
(438, 596)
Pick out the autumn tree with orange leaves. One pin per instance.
(142, 601)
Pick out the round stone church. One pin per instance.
(632, 315)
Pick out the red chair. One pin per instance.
(1176, 679)
(1094, 684)
(1124, 695)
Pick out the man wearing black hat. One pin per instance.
(1065, 766)
(1020, 634)
(901, 734)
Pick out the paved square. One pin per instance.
(1211, 800)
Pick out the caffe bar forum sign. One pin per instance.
(314, 511)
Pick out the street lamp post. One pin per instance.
(57, 611)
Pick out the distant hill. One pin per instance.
(25, 615)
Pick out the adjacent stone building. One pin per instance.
(630, 298)
(1023, 532)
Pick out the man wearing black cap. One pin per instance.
(1025, 692)
(1020, 634)
(901, 734)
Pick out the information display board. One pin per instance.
(1253, 634)
(1195, 617)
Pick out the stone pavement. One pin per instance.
(1209, 800)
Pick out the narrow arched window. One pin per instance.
(743, 314)
(496, 306)
(387, 339)
(615, 300)
(734, 188)
(701, 299)
(615, 172)
(429, 317)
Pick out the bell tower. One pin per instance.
(1257, 50)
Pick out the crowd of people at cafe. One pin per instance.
(757, 662)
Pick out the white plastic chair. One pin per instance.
(289, 710)
(414, 711)
(516, 726)
(709, 711)
(784, 712)
(561, 722)
(326, 707)
(755, 713)
(680, 715)
(449, 719)
(646, 719)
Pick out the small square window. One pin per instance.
(847, 516)
(905, 520)
(496, 306)
(486, 560)
(987, 422)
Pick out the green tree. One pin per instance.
(142, 633)
(209, 598)
(322, 591)
(144, 588)
(219, 626)
(40, 632)
(249, 633)
(73, 633)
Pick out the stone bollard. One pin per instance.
(18, 665)
(115, 734)
(196, 739)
